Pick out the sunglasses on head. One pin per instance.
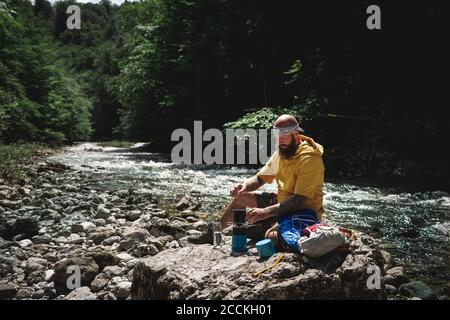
(285, 131)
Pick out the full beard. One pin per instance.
(289, 151)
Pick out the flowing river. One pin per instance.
(413, 226)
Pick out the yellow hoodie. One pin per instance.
(303, 174)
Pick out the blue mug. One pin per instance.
(265, 248)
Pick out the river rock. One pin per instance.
(82, 227)
(50, 214)
(159, 230)
(387, 258)
(200, 225)
(133, 215)
(24, 191)
(25, 243)
(24, 293)
(122, 289)
(124, 256)
(82, 293)
(35, 264)
(52, 166)
(106, 296)
(103, 258)
(102, 212)
(201, 272)
(141, 250)
(4, 194)
(137, 234)
(9, 204)
(111, 220)
(111, 240)
(155, 241)
(44, 239)
(101, 233)
(127, 244)
(165, 239)
(7, 291)
(417, 289)
(99, 282)
(184, 203)
(75, 238)
(99, 222)
(9, 261)
(49, 290)
(390, 289)
(132, 263)
(26, 226)
(87, 266)
(93, 149)
(51, 256)
(191, 219)
(5, 243)
(395, 276)
(113, 271)
(38, 294)
(173, 244)
(4, 269)
(181, 224)
(133, 236)
(36, 277)
(446, 289)
(49, 274)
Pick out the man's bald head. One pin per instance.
(289, 138)
(285, 120)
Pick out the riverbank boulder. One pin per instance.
(203, 272)
(7, 291)
(87, 267)
(26, 226)
(417, 289)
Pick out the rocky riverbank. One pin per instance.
(125, 246)
(48, 225)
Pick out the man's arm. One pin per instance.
(250, 184)
(291, 204)
(253, 183)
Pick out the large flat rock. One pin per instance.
(202, 272)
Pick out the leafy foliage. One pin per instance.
(39, 99)
(260, 119)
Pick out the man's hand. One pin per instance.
(290, 205)
(257, 214)
(237, 189)
(251, 184)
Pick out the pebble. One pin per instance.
(25, 243)
(122, 290)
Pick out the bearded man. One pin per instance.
(297, 167)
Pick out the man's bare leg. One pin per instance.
(244, 200)
(272, 234)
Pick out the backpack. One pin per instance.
(320, 240)
(290, 227)
(310, 237)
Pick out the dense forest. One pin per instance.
(139, 70)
